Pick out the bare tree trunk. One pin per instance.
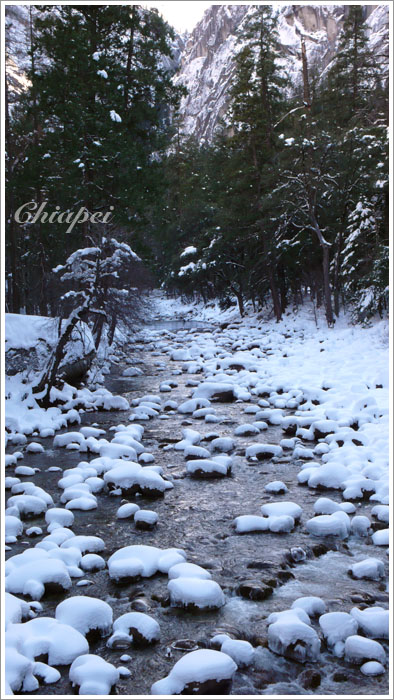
(275, 295)
(311, 199)
(240, 301)
(326, 265)
(112, 329)
(15, 290)
(49, 376)
(336, 283)
(305, 74)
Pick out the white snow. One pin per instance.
(359, 649)
(282, 508)
(189, 571)
(240, 651)
(373, 622)
(134, 627)
(197, 667)
(127, 510)
(85, 614)
(45, 635)
(290, 634)
(336, 628)
(311, 604)
(200, 593)
(115, 116)
(143, 560)
(93, 675)
(370, 568)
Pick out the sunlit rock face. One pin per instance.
(204, 58)
(207, 67)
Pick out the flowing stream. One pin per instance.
(197, 516)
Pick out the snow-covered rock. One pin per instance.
(145, 519)
(260, 451)
(336, 628)
(33, 576)
(195, 593)
(282, 508)
(208, 670)
(134, 628)
(312, 605)
(185, 569)
(45, 635)
(86, 615)
(373, 622)
(290, 635)
(142, 560)
(240, 651)
(359, 650)
(370, 568)
(208, 468)
(92, 675)
(335, 525)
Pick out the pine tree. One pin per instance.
(257, 103)
(97, 116)
(353, 79)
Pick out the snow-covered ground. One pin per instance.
(300, 441)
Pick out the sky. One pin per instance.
(182, 15)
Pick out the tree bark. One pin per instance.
(49, 376)
(275, 295)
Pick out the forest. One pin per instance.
(290, 198)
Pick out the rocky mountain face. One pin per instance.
(207, 66)
(17, 42)
(204, 58)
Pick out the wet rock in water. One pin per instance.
(253, 590)
(297, 554)
(140, 605)
(309, 679)
(360, 597)
(340, 677)
(320, 549)
(162, 598)
(260, 565)
(284, 577)
(184, 645)
(283, 689)
(271, 668)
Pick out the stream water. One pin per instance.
(197, 516)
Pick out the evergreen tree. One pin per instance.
(352, 80)
(97, 118)
(258, 101)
